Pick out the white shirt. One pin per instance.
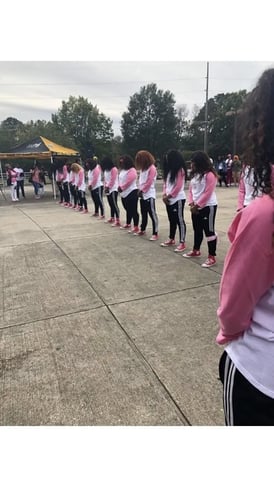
(253, 352)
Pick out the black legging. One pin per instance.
(112, 201)
(130, 203)
(82, 199)
(74, 193)
(20, 184)
(148, 208)
(204, 222)
(61, 190)
(97, 198)
(175, 215)
(66, 192)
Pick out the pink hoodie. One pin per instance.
(248, 269)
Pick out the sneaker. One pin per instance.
(84, 211)
(66, 205)
(76, 208)
(102, 217)
(125, 226)
(134, 230)
(140, 233)
(110, 220)
(153, 238)
(181, 247)
(168, 243)
(210, 261)
(116, 224)
(95, 214)
(70, 205)
(80, 209)
(192, 253)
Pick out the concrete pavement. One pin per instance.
(101, 327)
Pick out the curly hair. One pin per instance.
(143, 160)
(202, 164)
(257, 131)
(126, 162)
(173, 162)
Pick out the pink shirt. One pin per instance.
(248, 268)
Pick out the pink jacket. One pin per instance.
(177, 185)
(248, 269)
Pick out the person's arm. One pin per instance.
(178, 185)
(130, 177)
(190, 195)
(210, 186)
(113, 176)
(150, 178)
(248, 269)
(94, 176)
(81, 178)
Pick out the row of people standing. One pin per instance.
(133, 189)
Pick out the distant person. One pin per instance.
(174, 197)
(35, 179)
(95, 185)
(236, 169)
(110, 173)
(145, 163)
(228, 163)
(222, 170)
(203, 206)
(246, 299)
(20, 182)
(12, 181)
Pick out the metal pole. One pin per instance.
(53, 180)
(206, 110)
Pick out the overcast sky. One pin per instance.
(34, 90)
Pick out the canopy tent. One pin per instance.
(38, 148)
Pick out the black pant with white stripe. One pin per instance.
(244, 405)
(175, 215)
(204, 221)
(97, 198)
(148, 208)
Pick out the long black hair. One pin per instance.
(201, 164)
(126, 162)
(173, 163)
(257, 131)
(107, 163)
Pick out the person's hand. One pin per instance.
(106, 190)
(165, 199)
(194, 209)
(140, 194)
(119, 189)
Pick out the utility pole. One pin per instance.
(206, 110)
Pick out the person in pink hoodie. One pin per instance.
(145, 162)
(203, 206)
(127, 188)
(95, 186)
(174, 197)
(246, 298)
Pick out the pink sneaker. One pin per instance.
(210, 261)
(95, 214)
(153, 238)
(84, 211)
(110, 220)
(168, 243)
(116, 224)
(192, 253)
(135, 230)
(125, 226)
(181, 247)
(102, 217)
(140, 233)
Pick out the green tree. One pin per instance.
(90, 130)
(223, 112)
(150, 122)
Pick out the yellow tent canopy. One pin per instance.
(38, 148)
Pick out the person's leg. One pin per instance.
(23, 188)
(66, 192)
(144, 213)
(208, 216)
(153, 215)
(101, 201)
(17, 189)
(95, 198)
(172, 216)
(181, 221)
(133, 203)
(114, 196)
(244, 405)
